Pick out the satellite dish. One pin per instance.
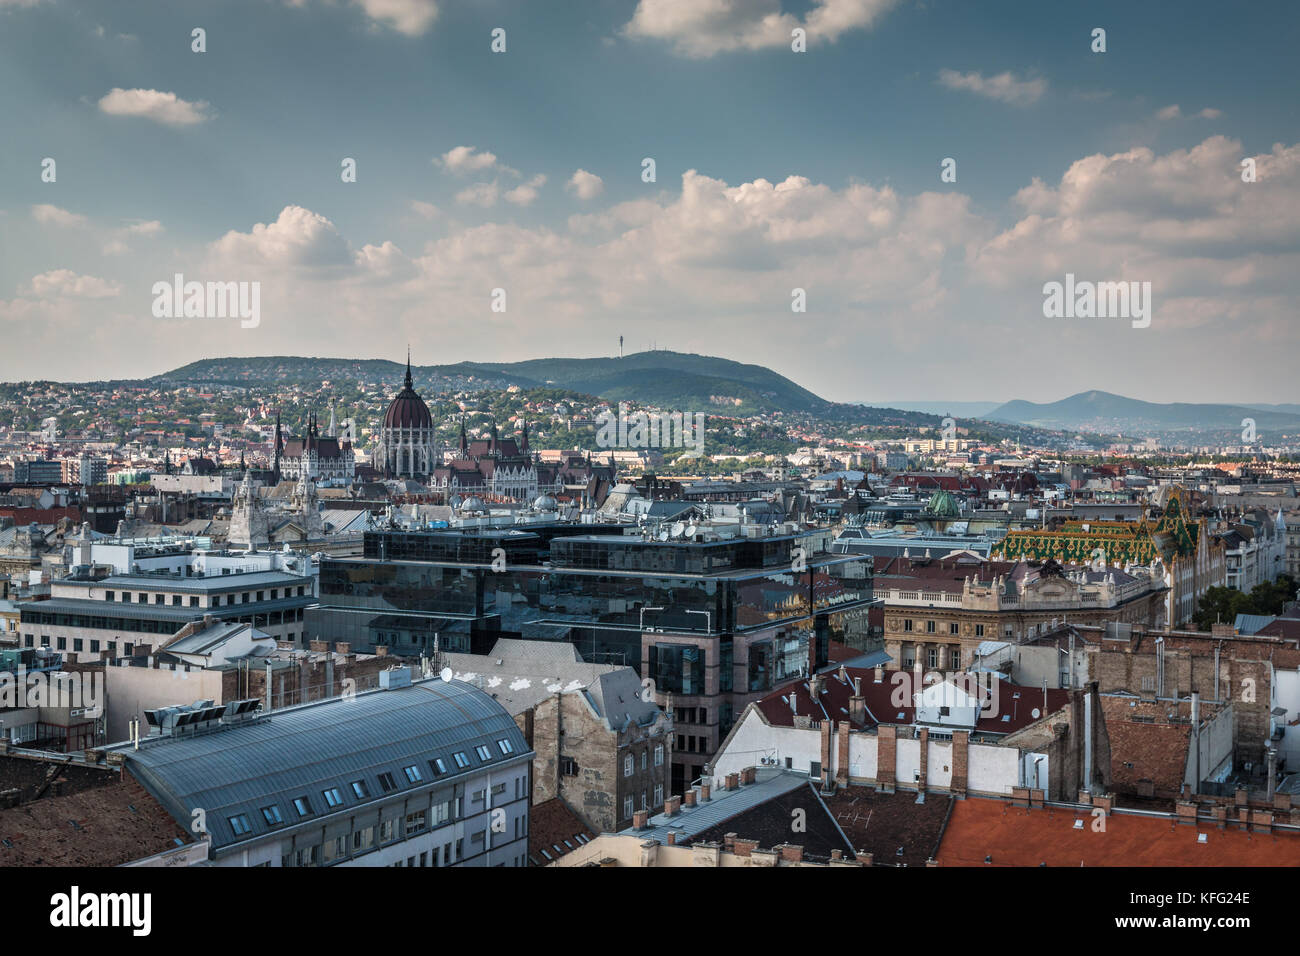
(663, 535)
(690, 531)
(678, 528)
(446, 674)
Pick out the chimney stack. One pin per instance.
(640, 820)
(857, 705)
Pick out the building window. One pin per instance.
(359, 788)
(659, 756)
(363, 839)
(412, 773)
(645, 757)
(659, 795)
(437, 766)
(628, 765)
(385, 831)
(627, 807)
(929, 627)
(568, 767)
(907, 624)
(387, 782)
(415, 822)
(239, 823)
(952, 627)
(979, 630)
(932, 658)
(955, 657)
(302, 805)
(332, 797)
(506, 746)
(462, 761)
(271, 815)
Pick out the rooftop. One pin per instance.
(1014, 836)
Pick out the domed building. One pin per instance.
(406, 446)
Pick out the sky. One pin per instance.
(502, 208)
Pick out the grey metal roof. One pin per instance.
(200, 584)
(302, 751)
(162, 612)
(205, 640)
(724, 805)
(1252, 623)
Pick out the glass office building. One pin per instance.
(713, 623)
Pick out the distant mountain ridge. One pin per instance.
(1099, 411)
(671, 379)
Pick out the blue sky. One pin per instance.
(817, 170)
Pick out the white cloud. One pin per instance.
(64, 283)
(150, 228)
(585, 185)
(710, 266)
(480, 194)
(53, 215)
(165, 108)
(1174, 112)
(702, 28)
(467, 159)
(299, 239)
(408, 17)
(1005, 87)
(525, 193)
(425, 210)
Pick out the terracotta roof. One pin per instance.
(1014, 836)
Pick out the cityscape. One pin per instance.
(468, 436)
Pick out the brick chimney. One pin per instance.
(733, 781)
(857, 705)
(640, 820)
(791, 853)
(748, 775)
(319, 646)
(342, 647)
(381, 650)
(673, 806)
(705, 789)
(672, 838)
(690, 796)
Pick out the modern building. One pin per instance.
(426, 774)
(120, 614)
(714, 620)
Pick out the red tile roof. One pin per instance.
(1014, 836)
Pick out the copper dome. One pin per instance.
(408, 410)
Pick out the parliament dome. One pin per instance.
(408, 410)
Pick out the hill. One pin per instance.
(670, 379)
(1105, 412)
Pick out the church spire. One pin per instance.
(408, 367)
